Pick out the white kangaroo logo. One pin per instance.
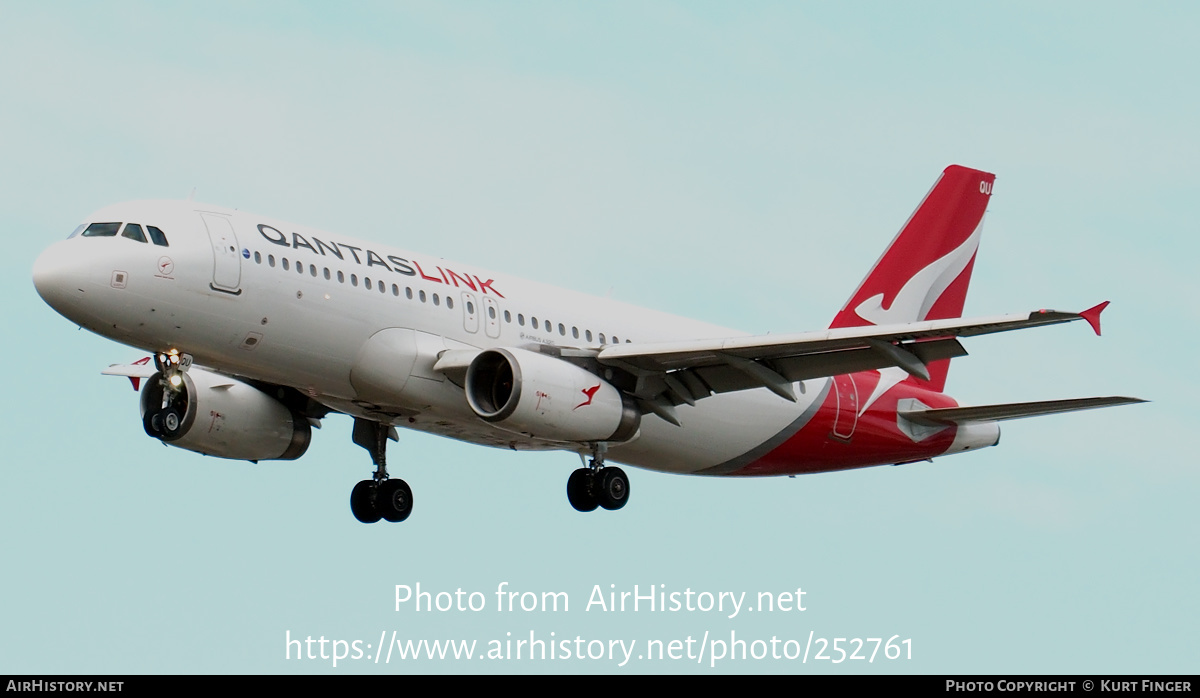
(919, 294)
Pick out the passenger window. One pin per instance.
(562, 330)
(341, 277)
(327, 273)
(436, 300)
(133, 231)
(507, 316)
(395, 290)
(602, 338)
(271, 261)
(449, 302)
(575, 332)
(521, 319)
(491, 312)
(102, 230)
(588, 335)
(285, 265)
(157, 236)
(258, 257)
(408, 292)
(422, 295)
(354, 279)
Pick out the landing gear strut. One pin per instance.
(380, 497)
(166, 421)
(598, 485)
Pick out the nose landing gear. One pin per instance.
(165, 422)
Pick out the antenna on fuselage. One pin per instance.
(192, 194)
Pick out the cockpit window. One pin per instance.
(77, 231)
(133, 231)
(101, 230)
(156, 236)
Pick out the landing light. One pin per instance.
(176, 380)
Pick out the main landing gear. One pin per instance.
(380, 497)
(598, 485)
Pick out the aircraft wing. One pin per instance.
(135, 372)
(673, 373)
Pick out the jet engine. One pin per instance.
(545, 397)
(221, 416)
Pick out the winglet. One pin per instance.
(1092, 315)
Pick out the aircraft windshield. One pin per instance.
(102, 230)
(133, 231)
(157, 236)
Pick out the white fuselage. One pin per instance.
(358, 326)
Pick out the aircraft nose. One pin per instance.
(55, 276)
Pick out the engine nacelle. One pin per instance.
(220, 416)
(548, 398)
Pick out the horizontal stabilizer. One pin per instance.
(1014, 410)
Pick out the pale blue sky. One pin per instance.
(743, 165)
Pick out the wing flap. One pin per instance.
(722, 378)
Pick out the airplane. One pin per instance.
(259, 329)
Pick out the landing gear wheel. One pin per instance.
(613, 488)
(171, 422)
(362, 502)
(394, 500)
(165, 424)
(152, 423)
(381, 496)
(579, 490)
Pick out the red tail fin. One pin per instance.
(924, 273)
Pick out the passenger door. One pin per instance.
(227, 263)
